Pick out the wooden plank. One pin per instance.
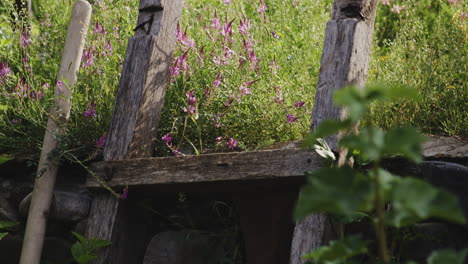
(445, 147)
(345, 60)
(145, 73)
(134, 123)
(235, 166)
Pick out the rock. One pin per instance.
(445, 147)
(67, 205)
(7, 212)
(182, 247)
(450, 176)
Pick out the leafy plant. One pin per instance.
(6, 225)
(84, 250)
(347, 192)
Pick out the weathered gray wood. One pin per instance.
(266, 164)
(345, 56)
(445, 147)
(135, 120)
(59, 114)
(345, 60)
(143, 82)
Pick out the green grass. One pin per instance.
(424, 46)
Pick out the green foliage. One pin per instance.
(341, 191)
(352, 194)
(338, 252)
(283, 71)
(447, 256)
(424, 46)
(6, 225)
(84, 250)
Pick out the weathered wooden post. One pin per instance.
(135, 119)
(59, 114)
(345, 60)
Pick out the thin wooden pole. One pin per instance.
(59, 114)
(345, 60)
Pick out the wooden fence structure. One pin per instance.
(269, 180)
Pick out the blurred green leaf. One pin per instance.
(338, 251)
(446, 256)
(341, 191)
(405, 142)
(354, 99)
(81, 238)
(2, 235)
(414, 200)
(370, 143)
(97, 243)
(327, 128)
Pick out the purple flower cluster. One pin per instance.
(25, 40)
(168, 142)
(90, 110)
(291, 118)
(5, 71)
(101, 142)
(192, 102)
(229, 142)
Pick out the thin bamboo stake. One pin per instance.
(59, 114)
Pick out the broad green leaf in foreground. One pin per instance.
(4, 159)
(446, 256)
(338, 251)
(370, 143)
(327, 128)
(414, 200)
(341, 191)
(405, 142)
(2, 235)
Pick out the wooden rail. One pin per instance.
(256, 165)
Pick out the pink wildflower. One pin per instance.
(90, 110)
(167, 138)
(396, 9)
(291, 119)
(299, 104)
(262, 7)
(5, 71)
(101, 142)
(107, 49)
(215, 24)
(99, 29)
(25, 40)
(88, 57)
(183, 39)
(227, 2)
(124, 194)
(245, 26)
(231, 143)
(217, 81)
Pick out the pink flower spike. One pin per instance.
(90, 110)
(299, 104)
(396, 9)
(217, 81)
(231, 143)
(25, 40)
(227, 2)
(167, 138)
(291, 119)
(245, 26)
(101, 142)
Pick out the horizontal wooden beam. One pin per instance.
(208, 168)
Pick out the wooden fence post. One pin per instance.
(135, 119)
(59, 114)
(345, 60)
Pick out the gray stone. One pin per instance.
(67, 205)
(7, 212)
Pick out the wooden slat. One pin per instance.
(236, 166)
(134, 123)
(345, 60)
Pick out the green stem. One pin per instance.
(380, 225)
